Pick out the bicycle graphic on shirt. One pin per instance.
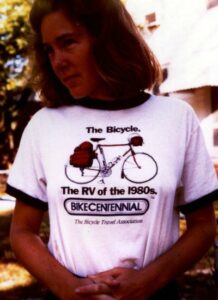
(137, 167)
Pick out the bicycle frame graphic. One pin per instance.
(137, 167)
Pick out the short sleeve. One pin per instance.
(199, 180)
(26, 180)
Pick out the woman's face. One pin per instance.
(69, 48)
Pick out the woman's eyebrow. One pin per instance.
(62, 37)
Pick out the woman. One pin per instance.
(113, 230)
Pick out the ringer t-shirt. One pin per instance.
(123, 209)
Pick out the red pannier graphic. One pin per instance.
(83, 155)
(136, 140)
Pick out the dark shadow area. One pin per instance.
(32, 292)
(198, 287)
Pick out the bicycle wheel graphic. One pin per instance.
(139, 168)
(82, 176)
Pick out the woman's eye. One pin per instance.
(68, 42)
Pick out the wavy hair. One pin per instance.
(124, 61)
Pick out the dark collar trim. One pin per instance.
(117, 104)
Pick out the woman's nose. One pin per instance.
(58, 60)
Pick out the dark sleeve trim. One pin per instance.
(199, 203)
(29, 200)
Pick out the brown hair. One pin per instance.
(124, 61)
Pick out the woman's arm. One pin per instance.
(191, 246)
(33, 253)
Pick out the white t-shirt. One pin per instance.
(123, 210)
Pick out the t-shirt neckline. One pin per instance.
(116, 104)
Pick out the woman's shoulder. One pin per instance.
(46, 113)
(44, 118)
(170, 102)
(172, 106)
(173, 109)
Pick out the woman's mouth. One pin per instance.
(71, 79)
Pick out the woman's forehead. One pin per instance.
(57, 24)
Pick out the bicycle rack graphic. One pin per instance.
(137, 167)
